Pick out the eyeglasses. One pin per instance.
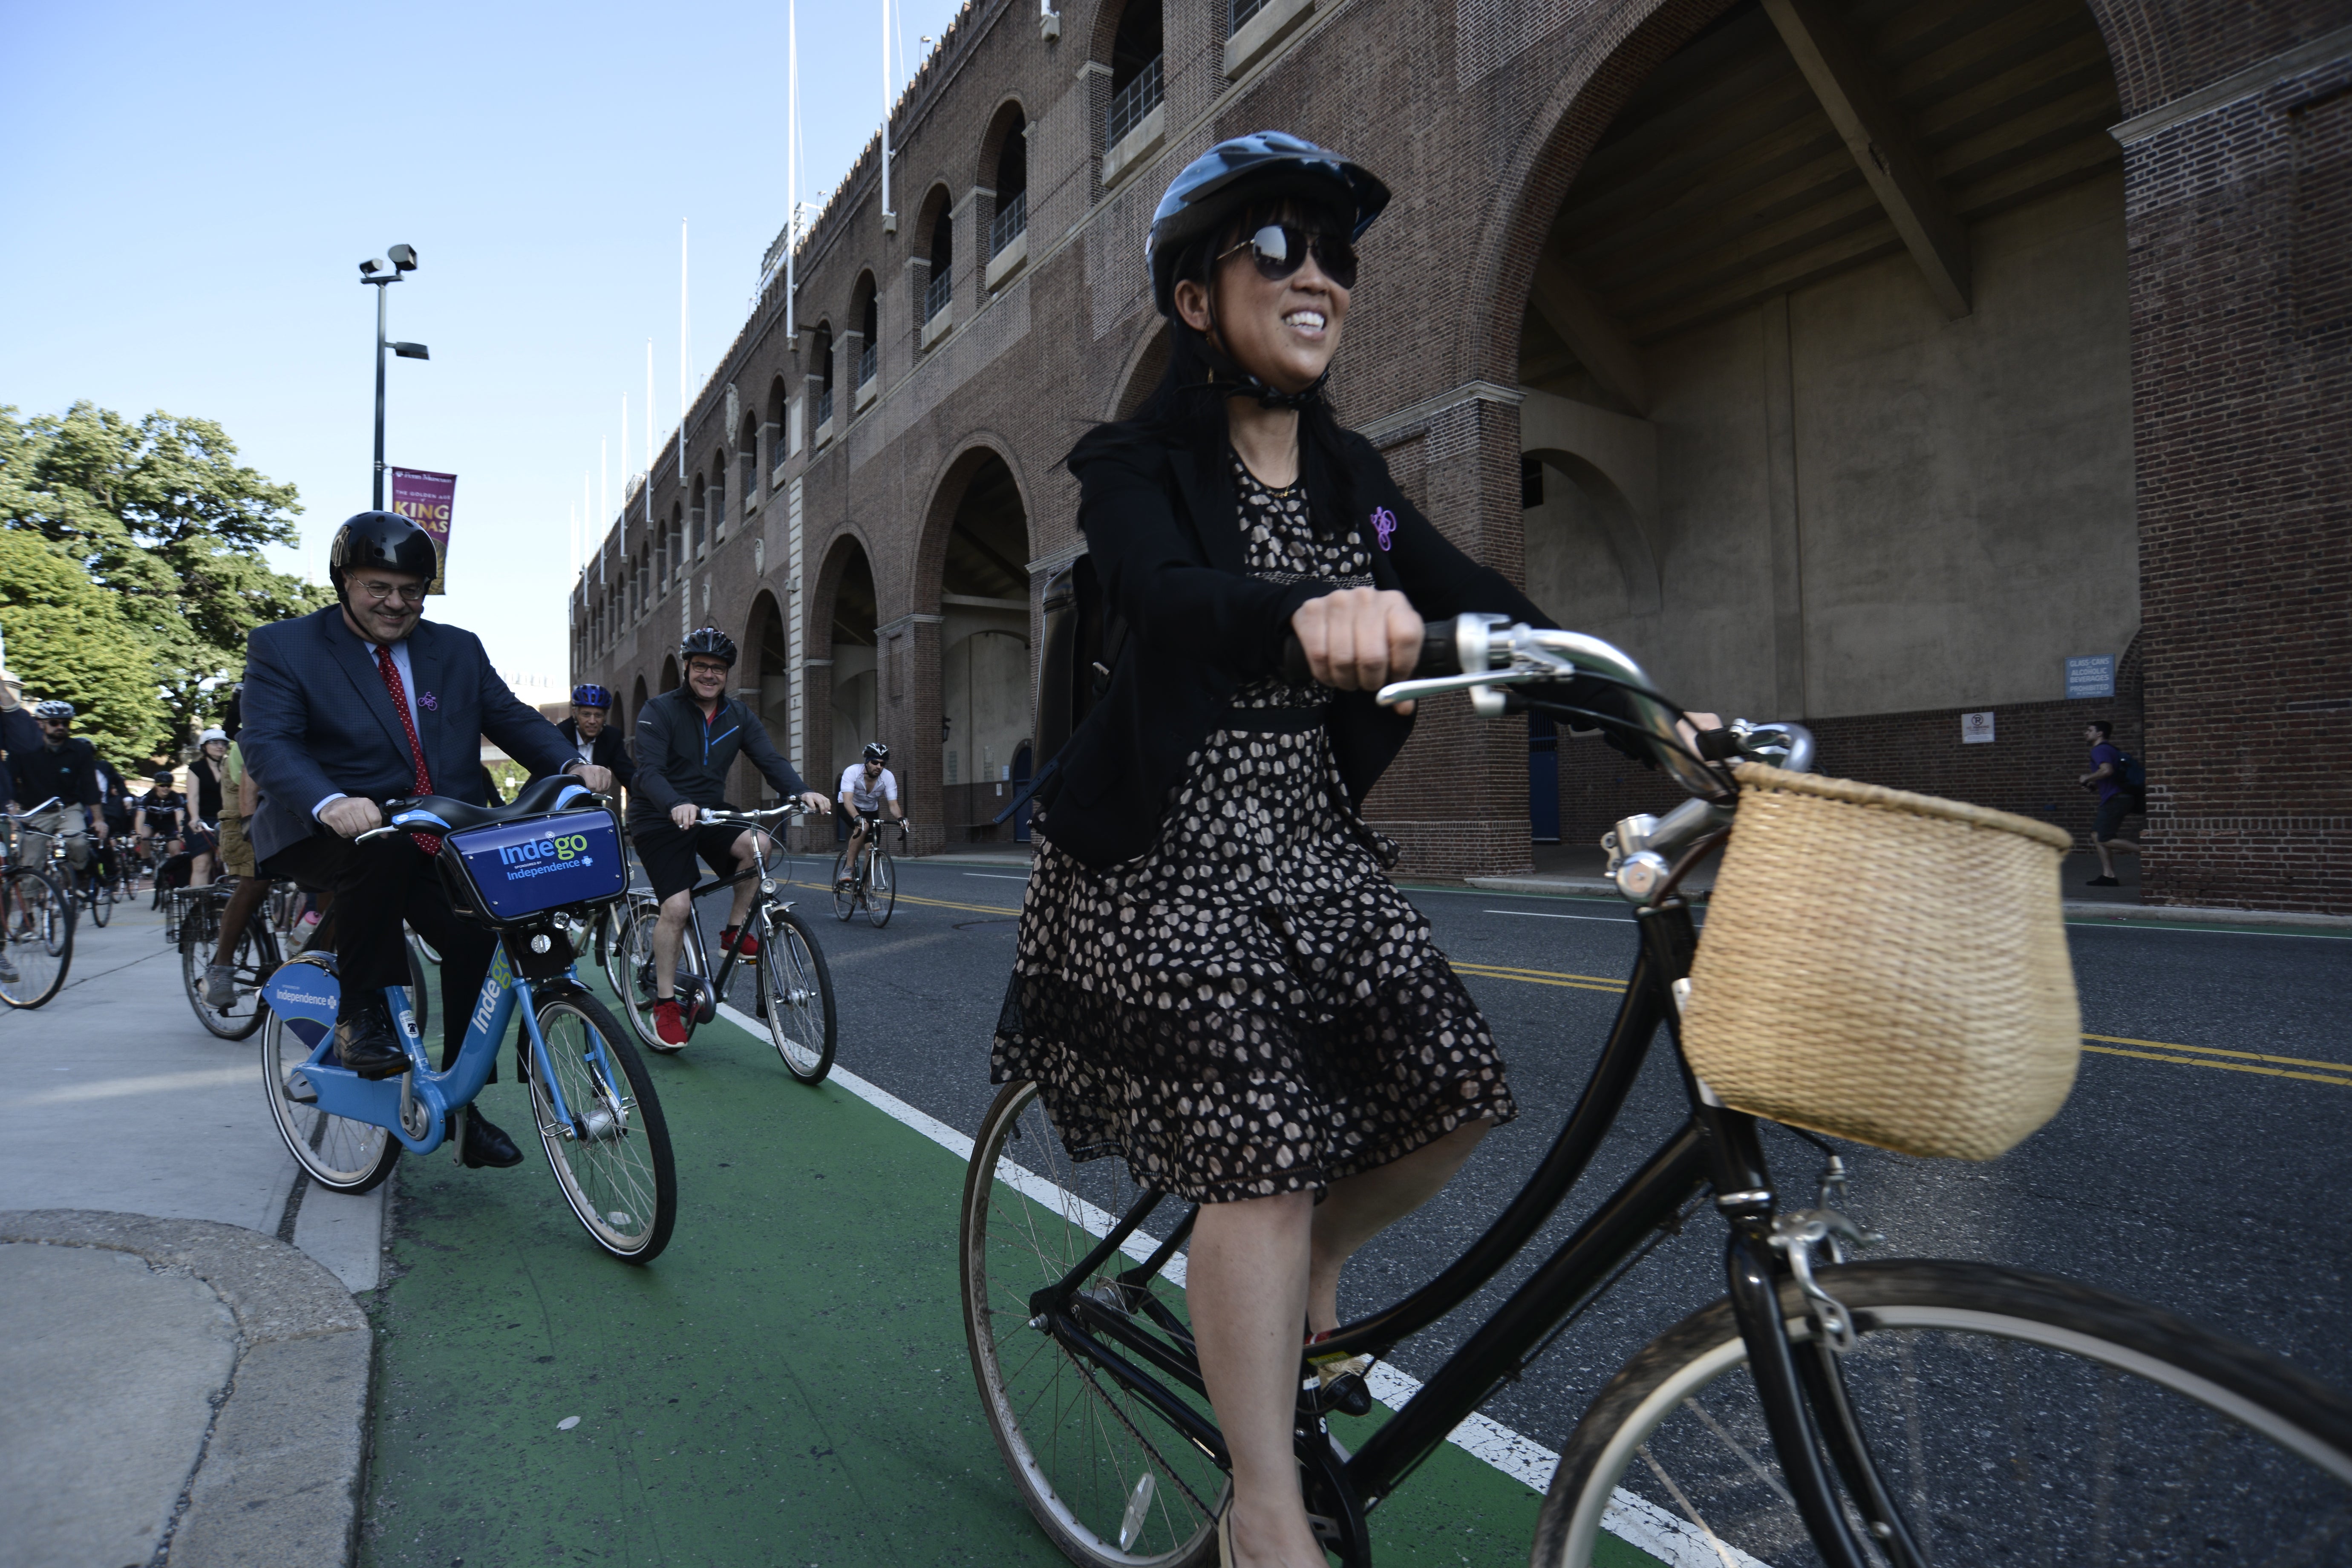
(408, 593)
(1281, 248)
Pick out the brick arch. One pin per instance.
(1139, 372)
(1001, 124)
(1533, 177)
(846, 546)
(948, 485)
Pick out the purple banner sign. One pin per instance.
(426, 499)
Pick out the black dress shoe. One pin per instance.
(484, 1144)
(368, 1047)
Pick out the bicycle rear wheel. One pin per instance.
(102, 899)
(612, 1157)
(36, 937)
(1110, 1481)
(2015, 1417)
(795, 995)
(881, 889)
(254, 957)
(340, 1155)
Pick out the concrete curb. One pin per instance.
(2076, 909)
(279, 1479)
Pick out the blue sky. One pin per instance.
(188, 192)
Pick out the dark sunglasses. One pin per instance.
(1281, 249)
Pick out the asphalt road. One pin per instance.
(788, 1383)
(2204, 1189)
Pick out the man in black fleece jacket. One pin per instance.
(686, 740)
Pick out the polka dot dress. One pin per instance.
(1250, 1007)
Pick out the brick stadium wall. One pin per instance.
(1480, 112)
(2240, 219)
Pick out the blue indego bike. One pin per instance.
(528, 871)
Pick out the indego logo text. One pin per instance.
(563, 847)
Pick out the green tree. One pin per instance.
(164, 519)
(66, 637)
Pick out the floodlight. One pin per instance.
(403, 256)
(368, 269)
(410, 351)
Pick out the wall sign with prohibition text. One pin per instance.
(1976, 729)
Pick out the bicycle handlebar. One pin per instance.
(33, 812)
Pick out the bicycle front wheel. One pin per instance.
(639, 994)
(36, 937)
(844, 888)
(796, 995)
(101, 901)
(340, 1155)
(881, 889)
(611, 1157)
(1111, 1483)
(2014, 1417)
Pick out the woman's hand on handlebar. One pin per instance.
(1360, 639)
(351, 816)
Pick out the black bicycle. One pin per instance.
(253, 958)
(867, 881)
(785, 983)
(1903, 1414)
(37, 922)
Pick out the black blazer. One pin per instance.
(319, 721)
(610, 752)
(1167, 545)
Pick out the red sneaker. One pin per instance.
(668, 1023)
(746, 943)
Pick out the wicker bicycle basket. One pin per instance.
(1886, 967)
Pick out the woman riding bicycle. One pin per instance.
(1217, 978)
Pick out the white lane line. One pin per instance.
(1544, 915)
(1630, 1517)
(2126, 924)
(998, 876)
(153, 1083)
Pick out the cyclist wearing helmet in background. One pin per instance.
(67, 768)
(686, 740)
(362, 702)
(207, 771)
(865, 786)
(590, 733)
(158, 812)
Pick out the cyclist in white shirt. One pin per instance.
(866, 788)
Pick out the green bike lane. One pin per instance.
(788, 1383)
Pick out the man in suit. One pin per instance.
(592, 737)
(367, 701)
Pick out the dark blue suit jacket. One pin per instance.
(319, 721)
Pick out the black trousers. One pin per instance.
(377, 886)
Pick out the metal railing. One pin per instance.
(1012, 218)
(1130, 103)
(824, 406)
(867, 359)
(936, 296)
(1239, 12)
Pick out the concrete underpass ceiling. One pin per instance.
(988, 544)
(1725, 179)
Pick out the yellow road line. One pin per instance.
(2219, 1051)
(2339, 1073)
(826, 888)
(2224, 1066)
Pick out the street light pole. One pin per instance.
(377, 274)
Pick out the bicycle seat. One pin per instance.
(538, 799)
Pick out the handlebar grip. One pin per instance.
(1437, 655)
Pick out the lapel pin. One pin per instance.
(1384, 524)
(432, 704)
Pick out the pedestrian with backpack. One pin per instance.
(2116, 777)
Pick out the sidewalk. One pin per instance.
(196, 1390)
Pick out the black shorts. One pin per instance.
(668, 852)
(2112, 812)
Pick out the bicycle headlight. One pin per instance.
(767, 884)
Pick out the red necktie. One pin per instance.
(429, 843)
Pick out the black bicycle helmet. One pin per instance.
(876, 751)
(710, 643)
(383, 538)
(162, 780)
(591, 696)
(53, 709)
(1230, 175)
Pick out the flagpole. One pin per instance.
(684, 328)
(649, 438)
(792, 164)
(886, 214)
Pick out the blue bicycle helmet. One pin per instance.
(1265, 162)
(591, 696)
